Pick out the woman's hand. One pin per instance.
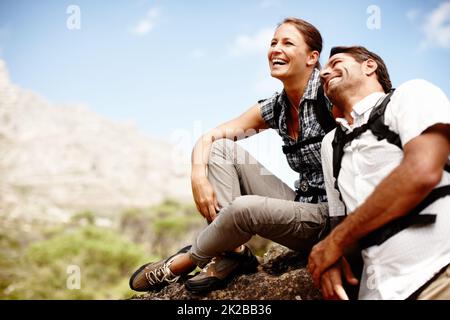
(205, 197)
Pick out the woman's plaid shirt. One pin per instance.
(306, 160)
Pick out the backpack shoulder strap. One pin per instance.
(338, 144)
(323, 113)
(277, 112)
(375, 123)
(377, 126)
(382, 131)
(338, 150)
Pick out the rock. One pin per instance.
(281, 276)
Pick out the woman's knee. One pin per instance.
(242, 211)
(222, 146)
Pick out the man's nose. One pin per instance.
(324, 73)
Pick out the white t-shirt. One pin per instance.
(403, 263)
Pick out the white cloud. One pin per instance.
(437, 27)
(147, 24)
(256, 44)
(142, 28)
(198, 54)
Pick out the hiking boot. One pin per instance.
(221, 270)
(154, 276)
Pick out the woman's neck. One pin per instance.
(295, 88)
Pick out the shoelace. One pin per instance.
(213, 261)
(161, 274)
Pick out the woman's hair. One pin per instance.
(310, 34)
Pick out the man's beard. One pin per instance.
(333, 94)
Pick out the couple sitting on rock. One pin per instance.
(240, 198)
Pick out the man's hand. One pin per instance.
(331, 281)
(322, 256)
(205, 198)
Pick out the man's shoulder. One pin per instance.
(417, 87)
(416, 94)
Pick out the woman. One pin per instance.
(226, 179)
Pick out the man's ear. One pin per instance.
(369, 67)
(337, 113)
(313, 57)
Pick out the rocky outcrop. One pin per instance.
(281, 276)
(59, 159)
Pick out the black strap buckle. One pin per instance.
(304, 186)
(305, 190)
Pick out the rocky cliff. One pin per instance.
(59, 159)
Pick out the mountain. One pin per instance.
(56, 160)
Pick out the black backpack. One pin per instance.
(327, 124)
(324, 117)
(382, 131)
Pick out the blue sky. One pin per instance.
(182, 67)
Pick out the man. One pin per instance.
(392, 175)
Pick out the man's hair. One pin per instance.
(361, 54)
(311, 35)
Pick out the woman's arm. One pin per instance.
(246, 125)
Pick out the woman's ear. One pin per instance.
(369, 67)
(313, 57)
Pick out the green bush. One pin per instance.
(84, 217)
(104, 258)
(172, 224)
(162, 228)
(10, 248)
(35, 262)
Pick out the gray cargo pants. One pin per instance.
(253, 201)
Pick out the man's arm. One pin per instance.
(403, 189)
